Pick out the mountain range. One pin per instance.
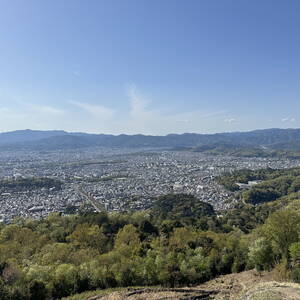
(272, 139)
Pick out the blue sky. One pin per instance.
(149, 66)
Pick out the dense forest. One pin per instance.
(29, 183)
(181, 241)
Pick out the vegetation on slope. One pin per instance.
(246, 150)
(181, 241)
(275, 184)
(29, 183)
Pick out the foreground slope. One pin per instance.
(248, 285)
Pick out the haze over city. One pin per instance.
(151, 67)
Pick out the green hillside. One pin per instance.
(181, 241)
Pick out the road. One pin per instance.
(98, 206)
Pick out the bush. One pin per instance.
(295, 274)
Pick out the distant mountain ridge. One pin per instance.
(19, 136)
(279, 139)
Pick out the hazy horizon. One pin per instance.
(170, 133)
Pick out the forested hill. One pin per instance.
(181, 241)
(279, 139)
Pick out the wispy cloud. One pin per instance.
(12, 119)
(143, 115)
(45, 109)
(34, 108)
(214, 114)
(144, 118)
(183, 121)
(138, 103)
(288, 119)
(94, 110)
(5, 110)
(230, 120)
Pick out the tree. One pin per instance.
(261, 255)
(65, 281)
(55, 253)
(4, 293)
(88, 236)
(282, 229)
(182, 238)
(294, 250)
(37, 290)
(127, 242)
(147, 229)
(181, 206)
(295, 186)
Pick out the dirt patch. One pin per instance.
(248, 285)
(159, 294)
(273, 290)
(231, 286)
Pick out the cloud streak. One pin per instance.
(142, 118)
(45, 109)
(288, 119)
(230, 120)
(142, 115)
(94, 110)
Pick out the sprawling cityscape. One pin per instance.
(116, 179)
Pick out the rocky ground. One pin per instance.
(248, 285)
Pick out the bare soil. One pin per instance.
(248, 285)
